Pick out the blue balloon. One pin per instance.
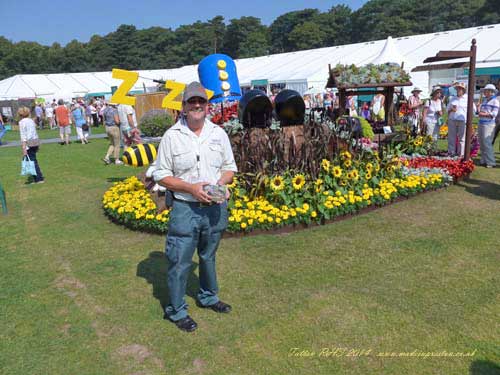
(217, 72)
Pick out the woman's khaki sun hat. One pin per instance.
(416, 89)
(459, 84)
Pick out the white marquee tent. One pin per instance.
(301, 70)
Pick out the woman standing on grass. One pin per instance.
(79, 120)
(29, 140)
(457, 115)
(112, 124)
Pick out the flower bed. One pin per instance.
(344, 186)
(455, 167)
(129, 203)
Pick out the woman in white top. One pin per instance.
(29, 140)
(457, 115)
(433, 110)
(49, 113)
(378, 109)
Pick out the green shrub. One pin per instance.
(367, 128)
(155, 123)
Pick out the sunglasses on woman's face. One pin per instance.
(197, 101)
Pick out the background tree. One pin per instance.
(237, 32)
(307, 35)
(283, 25)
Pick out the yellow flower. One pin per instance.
(277, 183)
(243, 225)
(347, 163)
(318, 182)
(345, 155)
(337, 171)
(325, 164)
(355, 175)
(305, 206)
(298, 181)
(233, 183)
(314, 214)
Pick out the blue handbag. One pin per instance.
(28, 167)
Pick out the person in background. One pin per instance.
(433, 110)
(49, 114)
(112, 123)
(88, 114)
(457, 115)
(192, 154)
(2, 129)
(488, 111)
(128, 125)
(78, 117)
(93, 113)
(307, 101)
(63, 121)
(365, 111)
(327, 102)
(318, 102)
(29, 140)
(350, 106)
(414, 107)
(39, 115)
(378, 109)
(101, 106)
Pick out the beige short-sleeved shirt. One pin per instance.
(193, 158)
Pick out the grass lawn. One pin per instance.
(80, 295)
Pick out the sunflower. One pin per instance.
(337, 171)
(355, 175)
(345, 155)
(368, 175)
(298, 181)
(369, 166)
(325, 164)
(277, 183)
(347, 163)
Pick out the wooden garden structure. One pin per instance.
(385, 88)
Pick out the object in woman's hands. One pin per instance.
(217, 192)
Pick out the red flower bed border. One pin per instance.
(456, 168)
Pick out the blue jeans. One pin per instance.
(191, 227)
(2, 132)
(32, 154)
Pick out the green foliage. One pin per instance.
(367, 128)
(246, 37)
(156, 123)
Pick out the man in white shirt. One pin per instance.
(192, 154)
(128, 125)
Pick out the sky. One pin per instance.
(61, 21)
